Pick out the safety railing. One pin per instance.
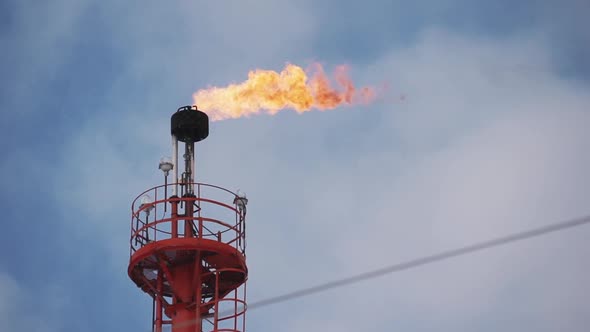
(206, 211)
(229, 311)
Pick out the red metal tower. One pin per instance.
(188, 249)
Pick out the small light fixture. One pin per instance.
(241, 201)
(147, 204)
(166, 165)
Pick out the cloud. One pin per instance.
(481, 150)
(37, 45)
(480, 147)
(22, 309)
(490, 139)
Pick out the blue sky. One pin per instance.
(491, 139)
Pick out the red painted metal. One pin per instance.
(191, 258)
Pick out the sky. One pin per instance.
(490, 139)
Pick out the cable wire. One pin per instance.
(422, 261)
(445, 255)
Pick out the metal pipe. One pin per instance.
(160, 286)
(193, 157)
(245, 309)
(216, 297)
(165, 192)
(175, 161)
(189, 213)
(236, 309)
(154, 313)
(186, 175)
(174, 215)
(190, 165)
(199, 289)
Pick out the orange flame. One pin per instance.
(269, 91)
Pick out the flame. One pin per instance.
(269, 91)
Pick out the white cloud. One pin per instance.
(24, 310)
(39, 44)
(479, 149)
(481, 156)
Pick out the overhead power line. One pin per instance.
(422, 261)
(497, 242)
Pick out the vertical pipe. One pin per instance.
(199, 213)
(243, 218)
(174, 215)
(216, 297)
(190, 165)
(193, 170)
(189, 214)
(131, 237)
(136, 231)
(184, 318)
(165, 192)
(236, 309)
(159, 302)
(155, 224)
(189, 207)
(239, 232)
(175, 161)
(199, 292)
(245, 309)
(154, 313)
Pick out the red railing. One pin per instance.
(229, 311)
(216, 215)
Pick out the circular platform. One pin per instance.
(148, 261)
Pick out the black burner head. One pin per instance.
(189, 124)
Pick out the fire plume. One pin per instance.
(270, 91)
